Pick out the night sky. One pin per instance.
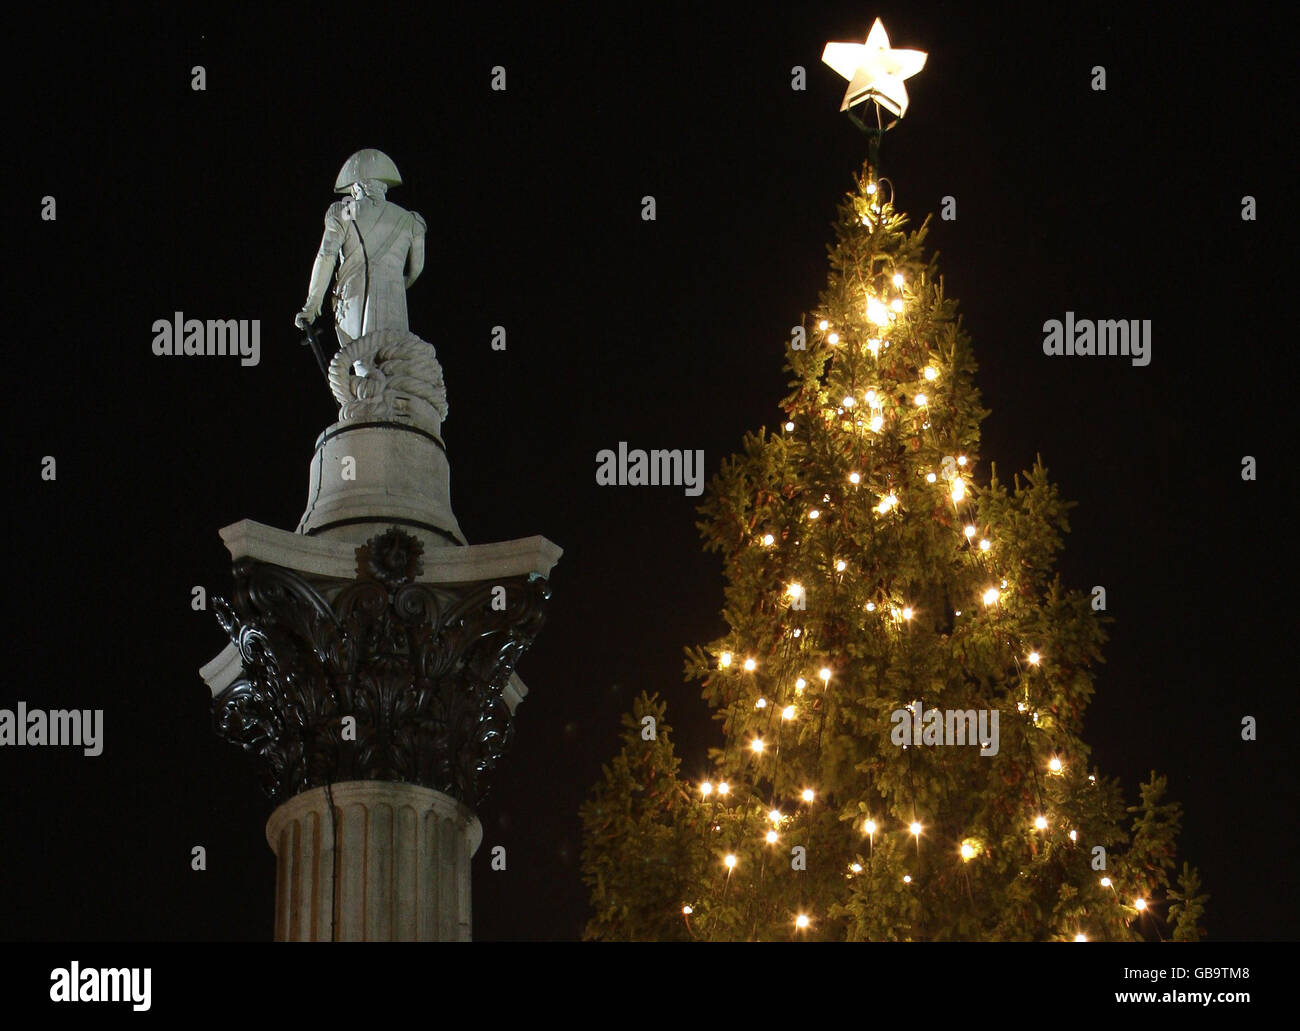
(1117, 204)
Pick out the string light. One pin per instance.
(807, 794)
(724, 660)
(961, 459)
(775, 816)
(877, 421)
(1040, 823)
(871, 606)
(967, 851)
(958, 489)
(813, 514)
(921, 400)
(915, 828)
(969, 531)
(840, 566)
(877, 312)
(1054, 764)
(849, 401)
(761, 704)
(931, 373)
(750, 665)
(1140, 904)
(869, 828)
(789, 427)
(800, 684)
(768, 540)
(896, 304)
(1081, 937)
(1105, 882)
(787, 713)
(687, 910)
(723, 787)
(854, 478)
(823, 325)
(907, 878)
(1034, 658)
(801, 922)
(855, 867)
(757, 746)
(1074, 835)
(871, 189)
(985, 544)
(730, 861)
(834, 338)
(825, 674)
(930, 478)
(771, 837)
(873, 345)
(907, 612)
(795, 591)
(706, 789)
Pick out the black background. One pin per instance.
(1120, 204)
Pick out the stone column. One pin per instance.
(390, 863)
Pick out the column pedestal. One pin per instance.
(391, 863)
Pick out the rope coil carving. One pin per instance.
(402, 380)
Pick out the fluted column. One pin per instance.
(392, 863)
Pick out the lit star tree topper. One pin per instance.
(875, 71)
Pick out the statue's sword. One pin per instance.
(310, 338)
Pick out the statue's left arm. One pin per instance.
(415, 256)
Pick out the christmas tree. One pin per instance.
(902, 687)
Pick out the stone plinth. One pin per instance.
(366, 476)
(390, 862)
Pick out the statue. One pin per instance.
(382, 370)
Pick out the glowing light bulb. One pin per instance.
(750, 665)
(985, 544)
(877, 312)
(807, 794)
(800, 684)
(967, 851)
(787, 713)
(840, 566)
(1054, 764)
(801, 921)
(723, 787)
(730, 861)
(757, 746)
(1081, 937)
(706, 789)
(761, 704)
(1105, 882)
(1035, 658)
(921, 400)
(768, 540)
(771, 837)
(775, 816)
(789, 426)
(873, 346)
(961, 459)
(724, 660)
(814, 514)
(849, 401)
(823, 325)
(825, 674)
(877, 421)
(907, 878)
(1040, 823)
(930, 477)
(795, 591)
(931, 373)
(915, 828)
(1074, 835)
(869, 827)
(871, 189)
(969, 531)
(834, 338)
(907, 612)
(855, 867)
(854, 478)
(958, 489)
(896, 304)
(687, 910)
(1139, 904)
(898, 279)
(871, 606)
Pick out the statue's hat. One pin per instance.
(367, 164)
